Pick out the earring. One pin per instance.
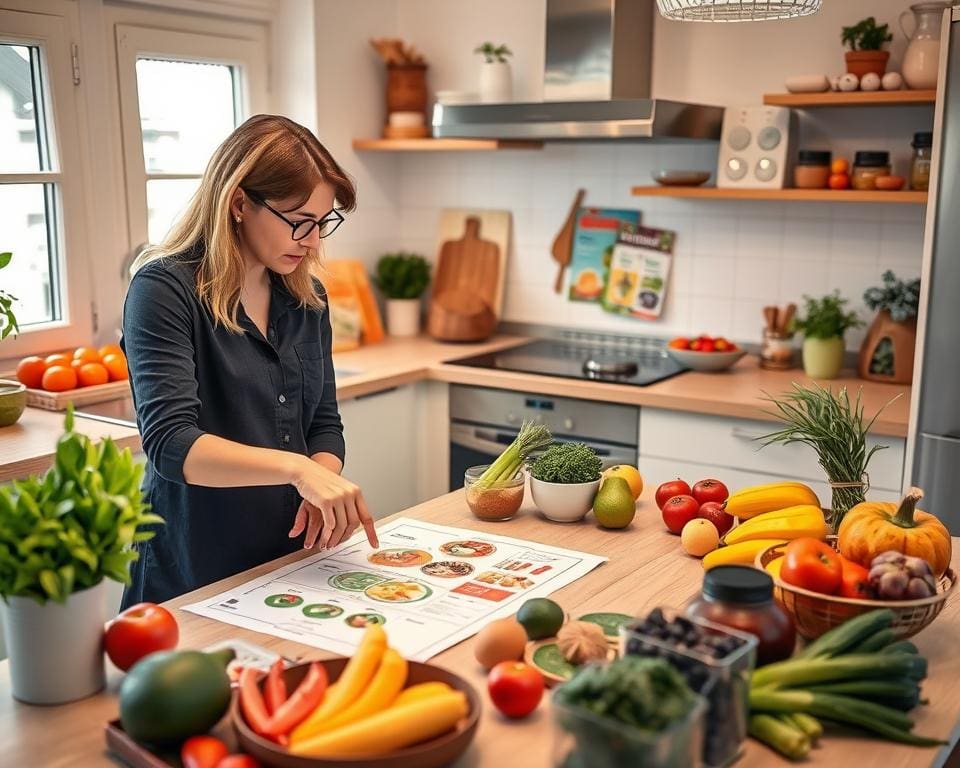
(239, 219)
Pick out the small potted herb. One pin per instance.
(564, 480)
(13, 394)
(866, 40)
(496, 79)
(8, 320)
(402, 277)
(887, 352)
(823, 325)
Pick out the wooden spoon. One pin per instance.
(786, 318)
(770, 315)
(562, 248)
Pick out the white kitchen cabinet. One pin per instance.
(694, 446)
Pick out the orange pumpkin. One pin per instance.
(872, 528)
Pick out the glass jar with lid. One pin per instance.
(812, 170)
(867, 165)
(920, 167)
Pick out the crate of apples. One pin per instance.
(81, 367)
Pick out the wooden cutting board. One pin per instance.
(495, 226)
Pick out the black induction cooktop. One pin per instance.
(637, 361)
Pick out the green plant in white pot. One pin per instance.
(8, 320)
(496, 78)
(402, 277)
(823, 325)
(61, 535)
(564, 480)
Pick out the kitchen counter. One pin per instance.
(28, 446)
(646, 568)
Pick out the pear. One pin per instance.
(614, 506)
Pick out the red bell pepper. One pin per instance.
(275, 688)
(251, 701)
(301, 703)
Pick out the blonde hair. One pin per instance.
(273, 158)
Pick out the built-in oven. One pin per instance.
(485, 421)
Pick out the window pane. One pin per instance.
(29, 226)
(166, 200)
(22, 136)
(186, 110)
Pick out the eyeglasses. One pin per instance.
(301, 229)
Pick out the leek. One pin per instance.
(532, 437)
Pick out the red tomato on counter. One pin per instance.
(138, 631)
(855, 580)
(515, 688)
(710, 490)
(678, 511)
(238, 761)
(669, 489)
(203, 752)
(812, 564)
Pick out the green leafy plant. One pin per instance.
(567, 463)
(492, 53)
(402, 275)
(8, 320)
(63, 532)
(866, 35)
(825, 319)
(901, 298)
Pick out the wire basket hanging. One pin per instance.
(736, 10)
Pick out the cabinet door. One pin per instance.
(380, 435)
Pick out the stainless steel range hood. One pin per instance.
(596, 85)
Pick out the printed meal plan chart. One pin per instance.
(429, 585)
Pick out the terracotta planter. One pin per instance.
(901, 338)
(823, 358)
(860, 63)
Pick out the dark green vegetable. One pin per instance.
(904, 646)
(864, 666)
(567, 463)
(847, 635)
(902, 694)
(876, 642)
(781, 734)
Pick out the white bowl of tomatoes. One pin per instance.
(705, 353)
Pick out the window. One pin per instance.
(181, 95)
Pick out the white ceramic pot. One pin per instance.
(403, 317)
(496, 82)
(563, 502)
(56, 649)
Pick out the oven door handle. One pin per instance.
(493, 442)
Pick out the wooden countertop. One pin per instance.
(661, 575)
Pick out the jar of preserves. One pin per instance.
(812, 169)
(867, 166)
(920, 167)
(741, 597)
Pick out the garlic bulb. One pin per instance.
(581, 641)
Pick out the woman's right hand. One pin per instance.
(332, 508)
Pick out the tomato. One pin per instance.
(710, 490)
(855, 580)
(515, 688)
(238, 761)
(812, 564)
(840, 165)
(679, 343)
(678, 511)
(30, 371)
(669, 489)
(141, 629)
(717, 515)
(202, 752)
(697, 345)
(838, 181)
(722, 345)
(708, 345)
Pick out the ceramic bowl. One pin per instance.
(13, 399)
(681, 178)
(563, 502)
(706, 361)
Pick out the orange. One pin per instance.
(91, 374)
(30, 371)
(59, 359)
(77, 365)
(629, 473)
(87, 354)
(110, 349)
(116, 365)
(840, 165)
(59, 378)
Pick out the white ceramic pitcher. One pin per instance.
(921, 61)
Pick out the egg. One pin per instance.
(849, 82)
(870, 82)
(501, 640)
(892, 81)
(834, 82)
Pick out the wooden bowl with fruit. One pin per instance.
(81, 376)
(707, 354)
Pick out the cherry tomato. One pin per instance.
(710, 490)
(679, 511)
(840, 165)
(855, 580)
(707, 345)
(717, 515)
(238, 761)
(812, 564)
(679, 343)
(838, 181)
(722, 345)
(697, 345)
(669, 489)
(515, 688)
(138, 631)
(202, 752)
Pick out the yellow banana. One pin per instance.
(758, 499)
(420, 691)
(744, 553)
(797, 522)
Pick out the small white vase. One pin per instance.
(56, 649)
(403, 317)
(563, 502)
(496, 82)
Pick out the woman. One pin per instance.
(228, 340)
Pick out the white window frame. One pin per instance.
(53, 27)
(133, 42)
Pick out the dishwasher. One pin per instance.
(484, 421)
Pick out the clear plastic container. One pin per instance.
(583, 739)
(499, 503)
(725, 683)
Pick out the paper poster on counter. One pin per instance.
(431, 586)
(639, 272)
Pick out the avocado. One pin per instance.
(172, 695)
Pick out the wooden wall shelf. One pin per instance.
(800, 195)
(850, 99)
(442, 145)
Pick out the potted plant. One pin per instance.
(887, 351)
(60, 535)
(823, 327)
(13, 395)
(402, 277)
(564, 480)
(866, 40)
(496, 80)
(8, 320)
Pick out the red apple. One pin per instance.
(717, 515)
(670, 489)
(710, 490)
(678, 511)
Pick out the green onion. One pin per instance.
(904, 646)
(781, 735)
(788, 674)
(876, 642)
(845, 636)
(532, 437)
(903, 693)
(809, 725)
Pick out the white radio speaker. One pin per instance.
(756, 148)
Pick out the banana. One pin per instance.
(804, 520)
(758, 499)
(744, 553)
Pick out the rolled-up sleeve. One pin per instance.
(326, 428)
(157, 339)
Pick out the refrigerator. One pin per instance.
(933, 440)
